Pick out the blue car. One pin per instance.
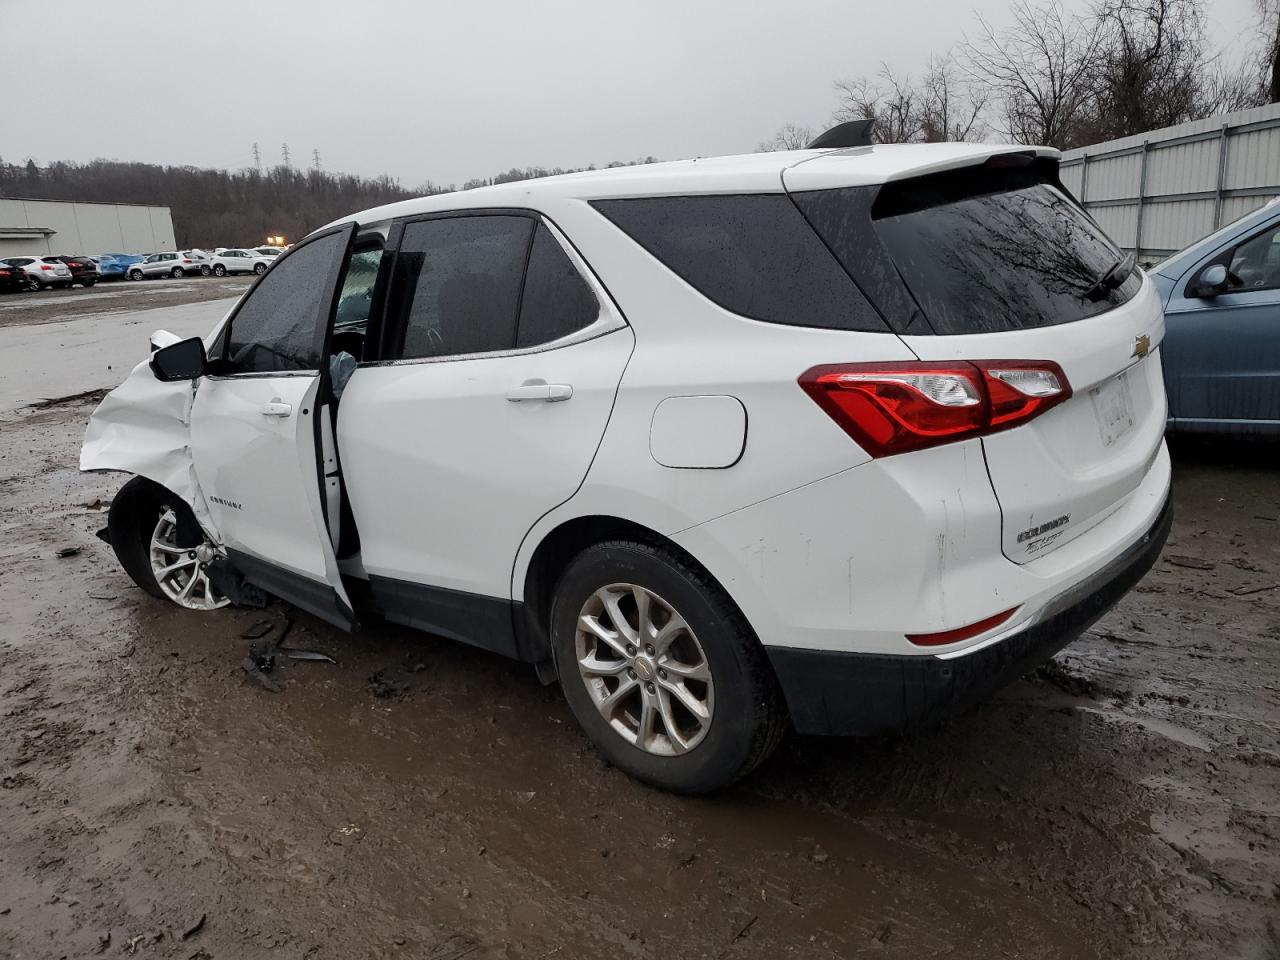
(115, 266)
(1222, 316)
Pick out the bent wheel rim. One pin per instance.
(644, 669)
(182, 572)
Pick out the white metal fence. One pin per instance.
(1159, 191)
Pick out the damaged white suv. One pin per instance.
(840, 439)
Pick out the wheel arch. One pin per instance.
(558, 546)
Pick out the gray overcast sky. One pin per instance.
(449, 91)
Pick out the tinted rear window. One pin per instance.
(980, 250)
(752, 254)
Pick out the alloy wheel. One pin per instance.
(182, 572)
(644, 669)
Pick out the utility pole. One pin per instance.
(257, 157)
(284, 152)
(315, 159)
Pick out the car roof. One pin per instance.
(748, 173)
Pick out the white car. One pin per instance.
(271, 252)
(42, 272)
(173, 263)
(836, 439)
(235, 260)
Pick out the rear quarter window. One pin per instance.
(752, 254)
(979, 250)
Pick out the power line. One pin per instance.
(257, 157)
(284, 152)
(315, 159)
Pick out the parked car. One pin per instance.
(172, 264)
(200, 262)
(83, 269)
(271, 252)
(12, 277)
(1221, 300)
(40, 273)
(537, 440)
(234, 260)
(114, 266)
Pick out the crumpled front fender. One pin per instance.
(143, 427)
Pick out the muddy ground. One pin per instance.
(420, 799)
(115, 296)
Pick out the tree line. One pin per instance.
(1066, 79)
(219, 207)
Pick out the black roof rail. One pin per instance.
(851, 133)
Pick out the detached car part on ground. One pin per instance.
(845, 438)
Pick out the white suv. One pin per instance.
(235, 260)
(840, 439)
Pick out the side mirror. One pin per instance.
(183, 360)
(1212, 281)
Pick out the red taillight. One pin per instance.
(960, 633)
(45, 266)
(891, 408)
(186, 261)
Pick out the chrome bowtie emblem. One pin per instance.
(1141, 346)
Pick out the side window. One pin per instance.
(277, 327)
(1255, 264)
(557, 300)
(355, 301)
(753, 254)
(456, 285)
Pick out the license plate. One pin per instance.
(1113, 406)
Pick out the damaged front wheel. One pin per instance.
(162, 547)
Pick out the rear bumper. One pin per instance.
(860, 694)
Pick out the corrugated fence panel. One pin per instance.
(1253, 159)
(1182, 168)
(1177, 222)
(1233, 208)
(1119, 222)
(1190, 188)
(1114, 178)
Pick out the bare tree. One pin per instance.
(950, 107)
(889, 99)
(1269, 14)
(1039, 72)
(790, 137)
(1151, 65)
(1224, 89)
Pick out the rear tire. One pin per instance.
(745, 716)
(34, 284)
(89, 283)
(138, 510)
(205, 271)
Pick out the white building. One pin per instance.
(39, 227)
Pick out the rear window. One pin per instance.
(980, 250)
(752, 254)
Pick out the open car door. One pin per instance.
(258, 430)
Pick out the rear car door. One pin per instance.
(490, 400)
(256, 431)
(1225, 347)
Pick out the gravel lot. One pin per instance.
(421, 799)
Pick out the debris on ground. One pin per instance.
(1056, 673)
(68, 552)
(195, 928)
(1191, 563)
(381, 686)
(293, 653)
